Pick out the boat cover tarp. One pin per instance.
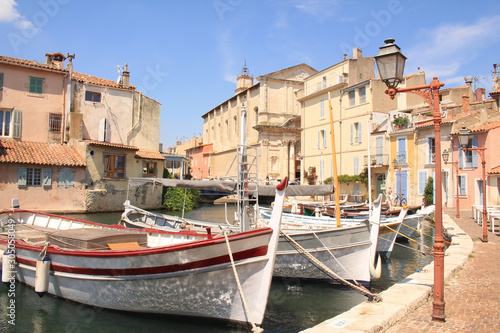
(297, 190)
(228, 186)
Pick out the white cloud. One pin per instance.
(321, 9)
(8, 13)
(446, 49)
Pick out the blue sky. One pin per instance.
(187, 54)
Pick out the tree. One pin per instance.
(173, 197)
(429, 192)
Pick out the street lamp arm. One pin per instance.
(424, 91)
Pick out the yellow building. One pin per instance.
(273, 123)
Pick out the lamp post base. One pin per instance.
(438, 311)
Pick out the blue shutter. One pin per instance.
(462, 184)
(460, 158)
(422, 181)
(21, 176)
(474, 153)
(47, 177)
(65, 178)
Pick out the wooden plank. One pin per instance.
(124, 246)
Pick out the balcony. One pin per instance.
(377, 160)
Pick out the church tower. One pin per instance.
(244, 80)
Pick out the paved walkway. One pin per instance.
(472, 296)
(472, 290)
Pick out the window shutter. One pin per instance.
(352, 134)
(356, 165)
(1, 81)
(474, 153)
(21, 176)
(322, 109)
(319, 139)
(460, 158)
(47, 177)
(69, 178)
(359, 133)
(104, 130)
(462, 185)
(16, 133)
(65, 178)
(324, 139)
(422, 181)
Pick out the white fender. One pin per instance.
(8, 267)
(375, 263)
(42, 276)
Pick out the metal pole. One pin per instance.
(455, 164)
(438, 303)
(485, 214)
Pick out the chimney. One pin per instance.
(465, 103)
(357, 53)
(69, 66)
(496, 77)
(55, 59)
(345, 56)
(126, 77)
(480, 94)
(468, 80)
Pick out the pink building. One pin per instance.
(200, 160)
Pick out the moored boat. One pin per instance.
(186, 273)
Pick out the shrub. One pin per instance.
(429, 191)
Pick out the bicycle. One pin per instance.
(399, 198)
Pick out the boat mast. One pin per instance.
(243, 173)
(334, 158)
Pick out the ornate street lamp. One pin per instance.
(446, 156)
(390, 63)
(463, 138)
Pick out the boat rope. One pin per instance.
(338, 262)
(409, 238)
(43, 253)
(255, 328)
(371, 296)
(407, 247)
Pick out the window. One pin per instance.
(352, 98)
(55, 120)
(114, 166)
(401, 153)
(1, 81)
(467, 158)
(356, 133)
(322, 109)
(5, 120)
(149, 168)
(356, 165)
(431, 150)
(362, 95)
(65, 178)
(92, 96)
(33, 177)
(10, 123)
(324, 82)
(36, 85)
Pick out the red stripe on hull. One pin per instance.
(251, 253)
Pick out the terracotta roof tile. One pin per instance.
(39, 153)
(149, 154)
(109, 144)
(30, 63)
(495, 170)
(485, 127)
(447, 120)
(89, 79)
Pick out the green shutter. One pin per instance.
(21, 176)
(47, 177)
(16, 128)
(36, 85)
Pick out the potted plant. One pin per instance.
(401, 121)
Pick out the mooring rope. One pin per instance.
(338, 262)
(410, 239)
(255, 328)
(371, 297)
(407, 247)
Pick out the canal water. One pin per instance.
(293, 305)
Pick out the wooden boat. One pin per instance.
(152, 271)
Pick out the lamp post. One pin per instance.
(446, 156)
(463, 138)
(390, 63)
(395, 164)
